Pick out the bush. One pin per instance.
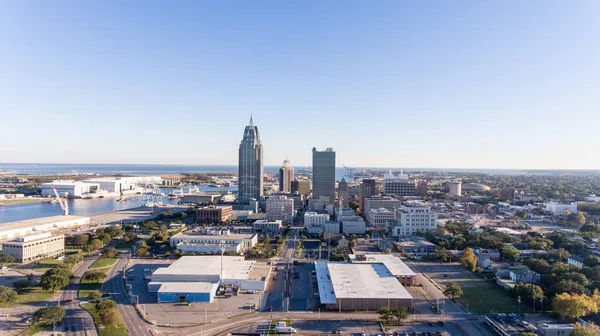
(6, 259)
(7, 295)
(94, 295)
(94, 276)
(21, 284)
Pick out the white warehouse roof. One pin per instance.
(394, 264)
(234, 267)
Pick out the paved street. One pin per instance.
(77, 321)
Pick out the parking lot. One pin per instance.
(181, 313)
(310, 250)
(425, 329)
(303, 289)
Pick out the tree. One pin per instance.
(442, 254)
(142, 251)
(104, 237)
(559, 254)
(48, 315)
(573, 305)
(94, 295)
(129, 236)
(591, 260)
(94, 276)
(106, 304)
(580, 218)
(537, 265)
(529, 293)
(468, 259)
(6, 259)
(110, 317)
(73, 259)
(510, 253)
(385, 313)
(400, 314)
(7, 295)
(113, 231)
(82, 239)
(453, 290)
(110, 252)
(583, 330)
(94, 244)
(21, 284)
(55, 278)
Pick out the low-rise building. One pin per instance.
(315, 219)
(280, 208)
(576, 260)
(484, 262)
(380, 217)
(417, 246)
(212, 240)
(38, 225)
(353, 225)
(410, 219)
(559, 209)
(213, 214)
(556, 329)
(388, 203)
(524, 275)
(267, 226)
(35, 247)
(492, 254)
(200, 198)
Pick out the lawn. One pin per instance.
(35, 329)
(484, 297)
(44, 265)
(29, 296)
(108, 331)
(103, 262)
(86, 287)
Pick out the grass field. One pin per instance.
(29, 296)
(103, 262)
(86, 287)
(44, 265)
(108, 331)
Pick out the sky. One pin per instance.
(436, 84)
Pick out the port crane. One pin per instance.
(63, 204)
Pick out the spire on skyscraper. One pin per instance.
(251, 122)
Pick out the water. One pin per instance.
(82, 207)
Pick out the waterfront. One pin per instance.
(82, 207)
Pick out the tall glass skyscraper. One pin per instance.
(323, 183)
(250, 165)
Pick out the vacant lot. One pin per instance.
(479, 295)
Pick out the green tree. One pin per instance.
(7, 295)
(104, 237)
(73, 259)
(48, 315)
(82, 239)
(559, 254)
(94, 244)
(453, 290)
(94, 276)
(106, 304)
(110, 252)
(510, 253)
(573, 305)
(129, 236)
(110, 317)
(537, 265)
(580, 218)
(386, 314)
(583, 330)
(400, 314)
(442, 255)
(94, 295)
(21, 284)
(529, 293)
(6, 259)
(55, 278)
(591, 261)
(468, 259)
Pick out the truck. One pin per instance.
(285, 330)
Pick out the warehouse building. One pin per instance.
(70, 189)
(395, 265)
(197, 278)
(211, 240)
(34, 247)
(13, 230)
(359, 286)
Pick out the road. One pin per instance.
(114, 285)
(77, 321)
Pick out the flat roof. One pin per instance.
(201, 235)
(360, 281)
(40, 221)
(234, 267)
(187, 287)
(394, 264)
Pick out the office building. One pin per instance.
(323, 174)
(286, 176)
(353, 225)
(410, 219)
(267, 226)
(280, 208)
(380, 217)
(388, 203)
(35, 247)
(455, 188)
(250, 165)
(368, 189)
(398, 185)
(197, 278)
(213, 214)
(315, 219)
(343, 193)
(300, 187)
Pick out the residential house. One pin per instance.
(524, 275)
(575, 260)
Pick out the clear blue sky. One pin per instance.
(470, 84)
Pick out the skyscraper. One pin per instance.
(323, 163)
(367, 189)
(250, 165)
(343, 192)
(286, 176)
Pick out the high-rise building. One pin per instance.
(286, 176)
(250, 165)
(343, 193)
(323, 163)
(302, 187)
(368, 189)
(398, 185)
(280, 208)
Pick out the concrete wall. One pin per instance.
(368, 304)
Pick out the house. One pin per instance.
(492, 254)
(525, 254)
(575, 260)
(484, 262)
(524, 275)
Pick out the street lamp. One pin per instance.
(519, 301)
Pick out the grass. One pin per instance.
(85, 287)
(488, 298)
(44, 265)
(102, 330)
(103, 262)
(29, 296)
(34, 329)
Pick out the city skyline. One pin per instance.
(508, 85)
